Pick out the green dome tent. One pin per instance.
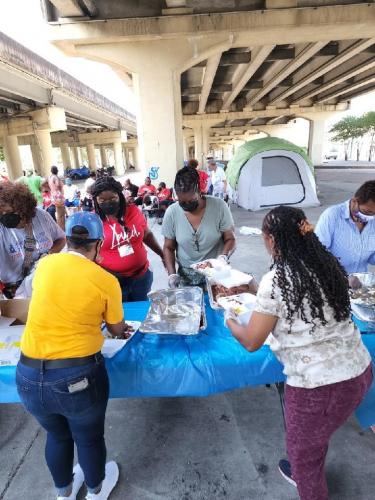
(269, 172)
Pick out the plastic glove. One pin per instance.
(223, 258)
(229, 314)
(174, 280)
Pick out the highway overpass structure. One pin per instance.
(211, 73)
(45, 107)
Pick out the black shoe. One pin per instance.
(286, 471)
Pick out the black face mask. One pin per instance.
(110, 207)
(189, 206)
(10, 220)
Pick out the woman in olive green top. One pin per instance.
(196, 228)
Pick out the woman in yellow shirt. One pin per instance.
(61, 376)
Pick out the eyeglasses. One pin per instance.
(196, 241)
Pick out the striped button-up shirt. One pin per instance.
(337, 231)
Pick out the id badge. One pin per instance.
(125, 250)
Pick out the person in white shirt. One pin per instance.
(304, 301)
(71, 195)
(218, 180)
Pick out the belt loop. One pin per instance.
(98, 358)
(41, 368)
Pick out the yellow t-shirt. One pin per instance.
(71, 298)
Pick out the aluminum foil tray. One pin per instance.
(177, 311)
(363, 302)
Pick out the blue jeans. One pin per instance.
(69, 417)
(134, 289)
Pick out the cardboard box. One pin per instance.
(15, 308)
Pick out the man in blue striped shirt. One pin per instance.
(348, 230)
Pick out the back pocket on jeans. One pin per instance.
(73, 403)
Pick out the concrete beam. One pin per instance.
(209, 75)
(281, 4)
(50, 118)
(281, 54)
(302, 57)
(235, 58)
(338, 80)
(193, 120)
(347, 54)
(68, 8)
(285, 25)
(347, 89)
(258, 58)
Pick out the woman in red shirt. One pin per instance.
(123, 252)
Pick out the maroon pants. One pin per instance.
(312, 416)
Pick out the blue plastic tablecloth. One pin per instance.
(199, 365)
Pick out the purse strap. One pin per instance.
(29, 248)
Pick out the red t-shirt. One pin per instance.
(165, 194)
(143, 189)
(123, 250)
(203, 181)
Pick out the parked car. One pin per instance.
(331, 155)
(78, 173)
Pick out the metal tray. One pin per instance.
(364, 312)
(175, 312)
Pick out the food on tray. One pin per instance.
(204, 265)
(221, 291)
(364, 295)
(126, 334)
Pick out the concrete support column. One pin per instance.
(126, 156)
(12, 157)
(227, 151)
(136, 158)
(37, 161)
(103, 156)
(65, 155)
(91, 156)
(201, 142)
(119, 161)
(186, 149)
(316, 141)
(75, 152)
(43, 139)
(158, 90)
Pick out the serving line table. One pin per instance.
(151, 365)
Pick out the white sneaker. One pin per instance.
(78, 479)
(110, 481)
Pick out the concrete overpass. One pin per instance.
(197, 66)
(44, 107)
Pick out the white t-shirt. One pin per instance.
(12, 241)
(70, 193)
(85, 192)
(312, 356)
(217, 179)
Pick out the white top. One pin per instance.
(88, 183)
(312, 357)
(217, 179)
(70, 193)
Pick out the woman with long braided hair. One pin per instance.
(123, 252)
(304, 302)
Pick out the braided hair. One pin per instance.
(108, 184)
(304, 269)
(187, 179)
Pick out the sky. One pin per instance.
(22, 20)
